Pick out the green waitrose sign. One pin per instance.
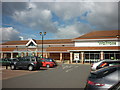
(107, 43)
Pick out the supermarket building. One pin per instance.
(88, 48)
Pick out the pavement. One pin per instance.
(8, 73)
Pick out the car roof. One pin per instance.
(110, 60)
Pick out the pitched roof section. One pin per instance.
(55, 41)
(7, 49)
(100, 34)
(24, 42)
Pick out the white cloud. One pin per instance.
(67, 32)
(104, 15)
(36, 18)
(38, 15)
(73, 31)
(70, 9)
(9, 34)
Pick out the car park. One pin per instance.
(104, 63)
(104, 78)
(29, 62)
(48, 62)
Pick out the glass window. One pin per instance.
(107, 56)
(97, 56)
(116, 63)
(86, 56)
(92, 75)
(20, 59)
(91, 56)
(42, 60)
(112, 55)
(33, 59)
(117, 56)
(102, 73)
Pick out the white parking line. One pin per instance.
(65, 67)
(76, 66)
(69, 70)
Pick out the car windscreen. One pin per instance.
(33, 58)
(49, 60)
(92, 75)
(102, 73)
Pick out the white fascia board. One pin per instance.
(57, 51)
(31, 40)
(93, 50)
(94, 39)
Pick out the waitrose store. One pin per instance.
(88, 48)
(93, 47)
(98, 49)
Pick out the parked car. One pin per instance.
(115, 87)
(6, 61)
(29, 62)
(104, 63)
(48, 62)
(104, 78)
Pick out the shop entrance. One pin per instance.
(91, 57)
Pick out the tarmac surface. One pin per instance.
(62, 76)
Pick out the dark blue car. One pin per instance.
(104, 78)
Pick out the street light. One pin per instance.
(42, 34)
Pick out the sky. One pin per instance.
(61, 20)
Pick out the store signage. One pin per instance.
(107, 43)
(76, 56)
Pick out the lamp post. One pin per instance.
(42, 34)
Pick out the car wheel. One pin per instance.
(12, 67)
(30, 68)
(48, 66)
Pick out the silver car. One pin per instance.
(104, 63)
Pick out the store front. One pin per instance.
(91, 57)
(112, 55)
(94, 56)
